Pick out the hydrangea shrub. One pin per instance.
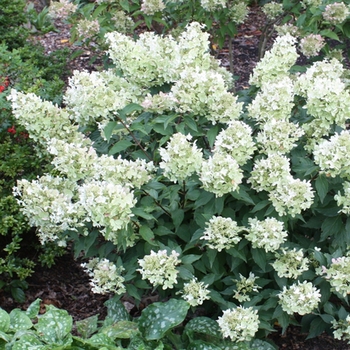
(184, 190)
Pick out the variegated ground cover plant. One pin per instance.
(169, 183)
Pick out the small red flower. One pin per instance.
(2, 88)
(12, 130)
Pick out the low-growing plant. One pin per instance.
(160, 326)
(172, 185)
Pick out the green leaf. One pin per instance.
(142, 214)
(329, 34)
(108, 130)
(157, 318)
(120, 146)
(331, 227)
(317, 327)
(4, 321)
(260, 205)
(19, 320)
(211, 135)
(18, 294)
(204, 325)
(259, 256)
(190, 258)
(54, 326)
(115, 311)
(259, 344)
(87, 327)
(189, 121)
(29, 341)
(147, 234)
(177, 217)
(321, 185)
(33, 309)
(202, 345)
(121, 330)
(130, 108)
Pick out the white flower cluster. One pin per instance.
(95, 95)
(311, 45)
(220, 174)
(240, 324)
(268, 172)
(276, 62)
(204, 92)
(338, 275)
(332, 155)
(342, 329)
(87, 29)
(195, 293)
(327, 99)
(336, 13)
(49, 204)
(274, 101)
(75, 160)
(159, 268)
(272, 10)
(301, 298)
(105, 276)
(150, 7)
(221, 233)
(278, 136)
(42, 119)
(61, 9)
(245, 286)
(213, 5)
(180, 158)
(291, 196)
(290, 263)
(122, 171)
(288, 195)
(108, 205)
(159, 103)
(236, 140)
(344, 200)
(268, 234)
(122, 22)
(238, 12)
(149, 61)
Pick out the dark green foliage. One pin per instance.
(12, 18)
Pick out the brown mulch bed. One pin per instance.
(65, 285)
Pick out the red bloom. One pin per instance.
(2, 88)
(12, 130)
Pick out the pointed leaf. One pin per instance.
(157, 318)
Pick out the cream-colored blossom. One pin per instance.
(195, 293)
(50, 204)
(220, 174)
(301, 298)
(237, 141)
(221, 233)
(105, 276)
(276, 62)
(290, 263)
(268, 234)
(239, 324)
(160, 268)
(245, 286)
(338, 275)
(180, 158)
